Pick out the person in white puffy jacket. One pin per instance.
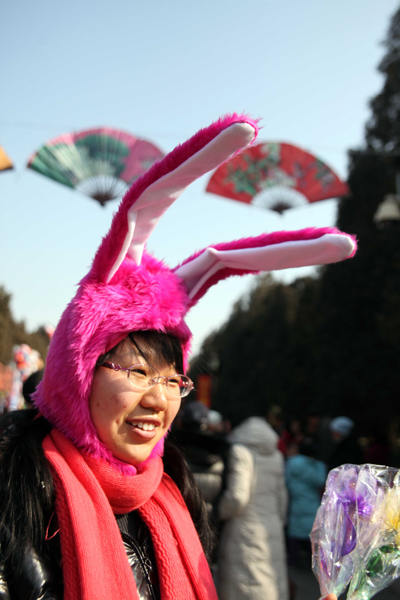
(252, 560)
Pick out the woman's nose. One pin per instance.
(155, 397)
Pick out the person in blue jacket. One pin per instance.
(305, 478)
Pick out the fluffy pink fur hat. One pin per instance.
(128, 290)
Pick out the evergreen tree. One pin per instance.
(12, 332)
(6, 327)
(330, 343)
(383, 128)
(359, 333)
(360, 298)
(265, 350)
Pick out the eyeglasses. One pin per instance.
(145, 376)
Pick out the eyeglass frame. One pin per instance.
(162, 379)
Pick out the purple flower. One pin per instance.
(354, 494)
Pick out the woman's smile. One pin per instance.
(145, 428)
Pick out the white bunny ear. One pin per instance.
(158, 197)
(271, 252)
(151, 196)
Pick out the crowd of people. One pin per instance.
(263, 482)
(24, 369)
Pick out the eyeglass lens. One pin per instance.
(145, 376)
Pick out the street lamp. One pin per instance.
(387, 215)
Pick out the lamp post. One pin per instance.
(387, 215)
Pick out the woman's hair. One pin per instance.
(175, 466)
(26, 484)
(153, 346)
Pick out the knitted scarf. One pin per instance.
(95, 565)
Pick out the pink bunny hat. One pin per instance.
(127, 289)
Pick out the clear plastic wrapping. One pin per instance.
(356, 533)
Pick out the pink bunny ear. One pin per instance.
(154, 192)
(267, 252)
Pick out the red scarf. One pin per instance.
(88, 494)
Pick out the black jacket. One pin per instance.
(41, 578)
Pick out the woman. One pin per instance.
(131, 413)
(91, 506)
(252, 558)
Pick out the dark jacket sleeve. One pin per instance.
(4, 593)
(35, 579)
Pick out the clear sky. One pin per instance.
(162, 70)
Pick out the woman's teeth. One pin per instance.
(145, 426)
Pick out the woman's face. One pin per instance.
(127, 420)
